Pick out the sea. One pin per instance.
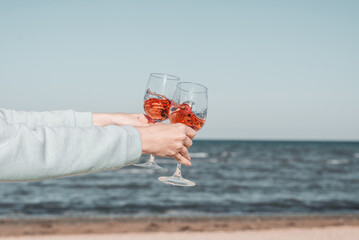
(234, 178)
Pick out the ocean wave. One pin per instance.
(165, 160)
(186, 213)
(213, 160)
(135, 170)
(199, 154)
(338, 161)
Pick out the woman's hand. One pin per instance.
(168, 140)
(132, 119)
(163, 140)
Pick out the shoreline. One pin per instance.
(93, 226)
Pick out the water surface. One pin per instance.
(233, 178)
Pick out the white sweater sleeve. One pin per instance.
(63, 118)
(42, 152)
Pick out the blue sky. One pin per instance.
(274, 69)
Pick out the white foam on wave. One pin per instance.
(234, 154)
(225, 154)
(165, 160)
(135, 170)
(199, 154)
(186, 213)
(337, 161)
(356, 155)
(213, 160)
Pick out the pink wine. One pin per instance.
(183, 114)
(157, 109)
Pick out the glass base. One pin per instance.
(151, 165)
(178, 181)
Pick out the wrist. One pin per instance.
(144, 140)
(101, 119)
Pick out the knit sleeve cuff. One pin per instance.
(83, 119)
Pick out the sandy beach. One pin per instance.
(330, 233)
(256, 228)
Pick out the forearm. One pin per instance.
(48, 152)
(33, 119)
(102, 119)
(120, 119)
(71, 118)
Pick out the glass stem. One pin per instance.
(178, 171)
(152, 158)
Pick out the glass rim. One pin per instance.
(193, 83)
(157, 75)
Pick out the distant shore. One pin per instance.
(78, 226)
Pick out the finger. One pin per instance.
(182, 160)
(187, 142)
(184, 153)
(190, 132)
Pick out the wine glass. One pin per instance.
(157, 101)
(189, 106)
